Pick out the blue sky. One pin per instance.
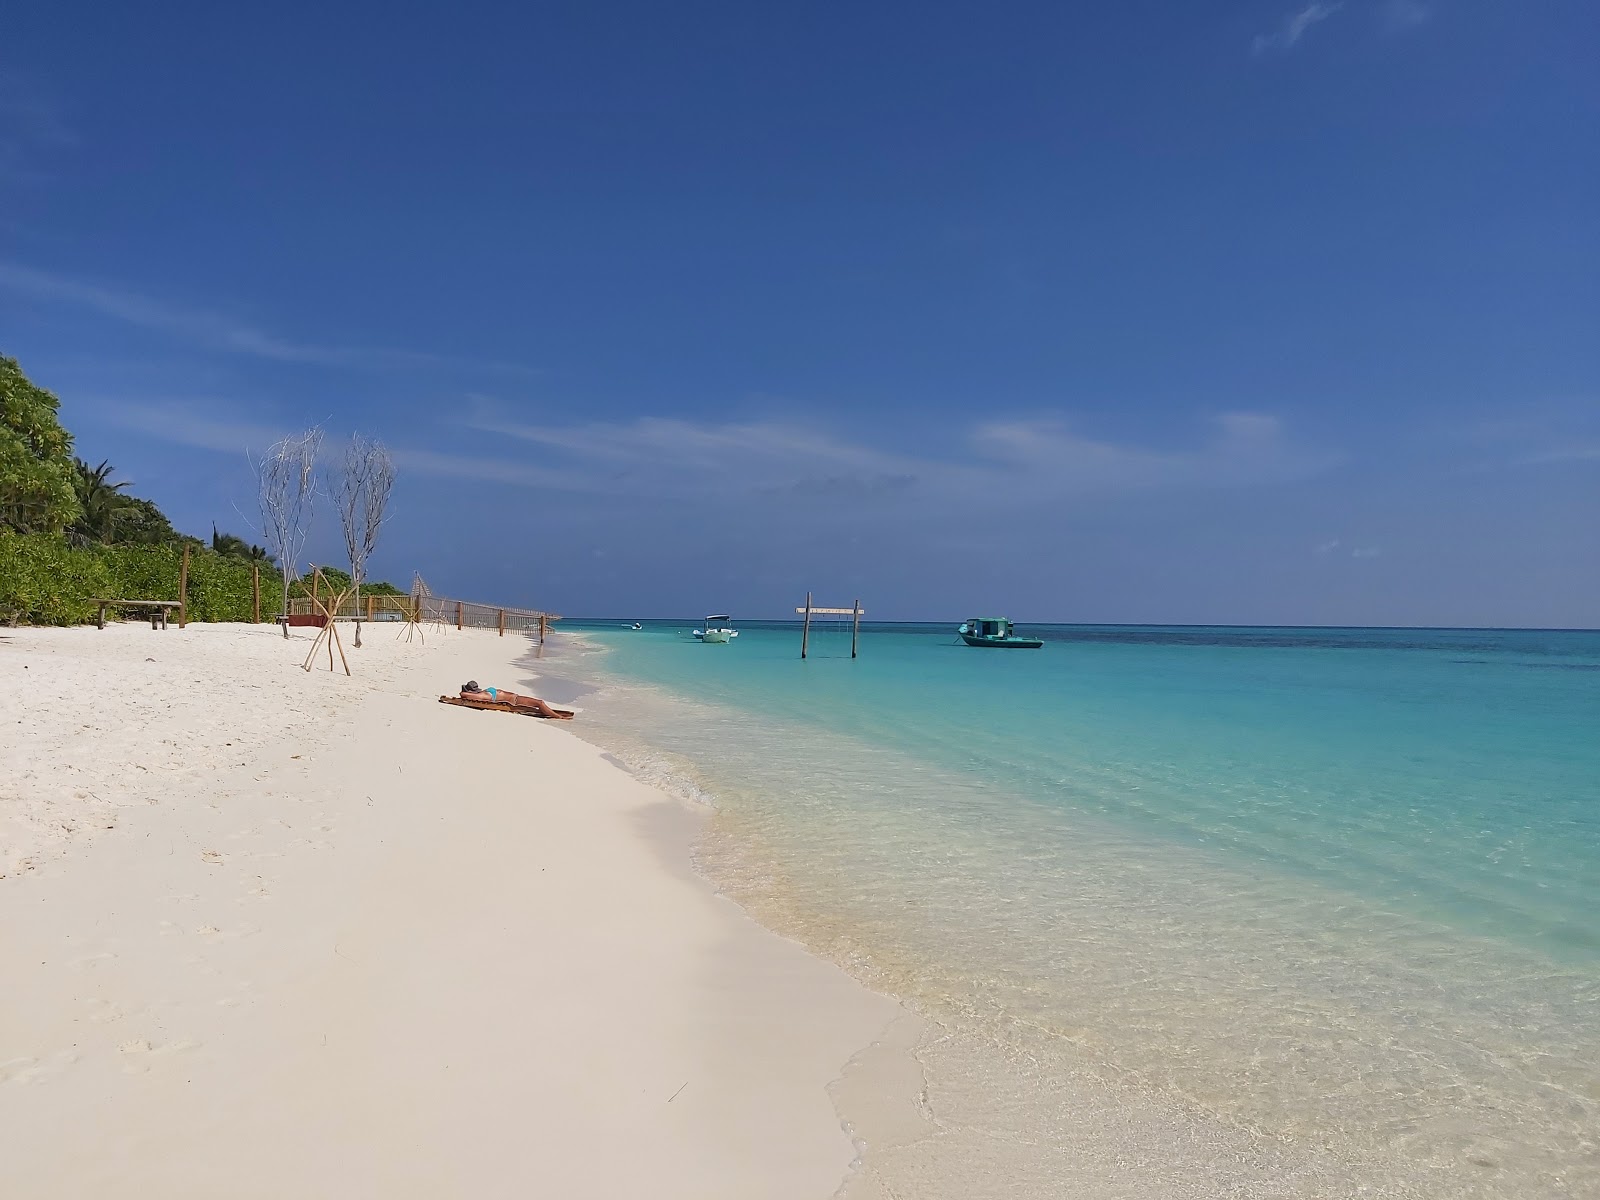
(1221, 312)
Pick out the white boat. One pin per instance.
(718, 629)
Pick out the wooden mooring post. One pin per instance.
(183, 589)
(544, 626)
(855, 629)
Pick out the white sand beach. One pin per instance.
(269, 934)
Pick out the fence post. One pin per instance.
(458, 614)
(371, 600)
(502, 622)
(544, 625)
(183, 589)
(255, 593)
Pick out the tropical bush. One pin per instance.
(46, 581)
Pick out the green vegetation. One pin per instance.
(236, 547)
(335, 581)
(69, 532)
(36, 463)
(44, 580)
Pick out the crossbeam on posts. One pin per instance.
(809, 610)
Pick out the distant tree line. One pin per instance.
(69, 531)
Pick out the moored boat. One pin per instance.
(995, 632)
(718, 629)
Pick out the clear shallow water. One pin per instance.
(1318, 904)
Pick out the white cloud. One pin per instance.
(192, 424)
(1242, 448)
(1295, 26)
(1328, 547)
(477, 469)
(656, 460)
(1401, 15)
(218, 332)
(1009, 460)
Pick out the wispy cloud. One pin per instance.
(192, 424)
(676, 457)
(489, 469)
(1294, 27)
(1536, 434)
(1401, 15)
(1027, 460)
(655, 460)
(1575, 452)
(1241, 448)
(220, 333)
(31, 123)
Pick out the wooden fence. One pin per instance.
(431, 610)
(466, 614)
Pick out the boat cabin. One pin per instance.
(988, 627)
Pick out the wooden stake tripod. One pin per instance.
(330, 627)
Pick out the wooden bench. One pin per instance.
(157, 609)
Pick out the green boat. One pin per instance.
(996, 632)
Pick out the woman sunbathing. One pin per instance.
(471, 691)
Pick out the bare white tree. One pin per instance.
(286, 488)
(360, 486)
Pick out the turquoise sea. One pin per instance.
(1191, 911)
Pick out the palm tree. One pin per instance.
(237, 547)
(102, 501)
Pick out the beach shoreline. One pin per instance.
(286, 933)
(1106, 1013)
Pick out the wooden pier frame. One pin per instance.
(810, 610)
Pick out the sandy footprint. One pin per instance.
(34, 1070)
(139, 1055)
(103, 1012)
